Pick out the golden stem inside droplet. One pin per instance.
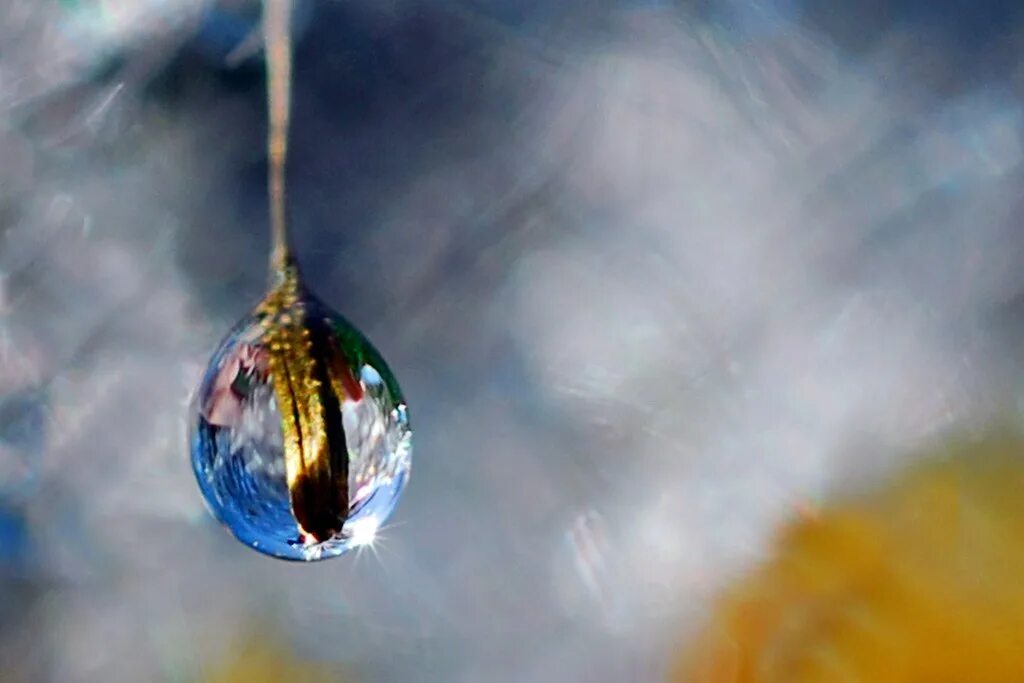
(300, 363)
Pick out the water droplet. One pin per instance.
(300, 438)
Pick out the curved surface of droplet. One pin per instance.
(300, 436)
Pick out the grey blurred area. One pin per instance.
(652, 276)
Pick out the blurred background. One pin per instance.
(657, 279)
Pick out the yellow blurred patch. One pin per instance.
(921, 582)
(259, 659)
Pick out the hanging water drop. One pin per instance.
(300, 437)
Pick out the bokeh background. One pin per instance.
(655, 277)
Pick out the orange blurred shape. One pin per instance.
(920, 582)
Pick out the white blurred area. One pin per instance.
(50, 46)
(653, 281)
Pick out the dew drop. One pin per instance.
(320, 479)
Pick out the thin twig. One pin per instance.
(277, 37)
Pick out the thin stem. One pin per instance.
(277, 39)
